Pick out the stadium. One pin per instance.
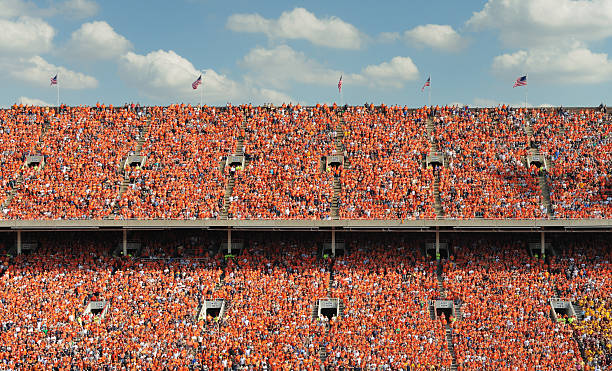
(246, 210)
(323, 237)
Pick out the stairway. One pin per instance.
(450, 346)
(229, 190)
(231, 182)
(545, 190)
(579, 311)
(437, 199)
(433, 147)
(315, 312)
(335, 204)
(125, 182)
(12, 192)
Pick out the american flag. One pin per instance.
(340, 84)
(197, 82)
(521, 81)
(54, 80)
(427, 83)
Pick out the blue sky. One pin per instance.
(280, 51)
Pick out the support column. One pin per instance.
(333, 241)
(18, 242)
(229, 240)
(437, 244)
(542, 244)
(124, 242)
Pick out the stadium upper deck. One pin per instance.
(304, 163)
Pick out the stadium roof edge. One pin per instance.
(440, 224)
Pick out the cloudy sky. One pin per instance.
(294, 51)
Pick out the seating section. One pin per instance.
(181, 178)
(582, 272)
(386, 178)
(506, 322)
(20, 130)
(285, 177)
(83, 149)
(386, 322)
(384, 283)
(487, 174)
(580, 147)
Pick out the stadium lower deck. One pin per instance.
(178, 300)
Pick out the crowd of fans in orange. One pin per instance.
(385, 285)
(181, 178)
(284, 177)
(579, 145)
(386, 178)
(487, 175)
(384, 175)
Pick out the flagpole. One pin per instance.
(201, 90)
(429, 93)
(57, 85)
(526, 90)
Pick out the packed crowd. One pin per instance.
(384, 283)
(487, 175)
(386, 325)
(579, 145)
(181, 178)
(286, 176)
(583, 273)
(506, 321)
(83, 148)
(386, 179)
(20, 129)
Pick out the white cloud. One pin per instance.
(78, 8)
(25, 36)
(576, 64)
(436, 36)
(301, 24)
(32, 102)
(69, 8)
(387, 37)
(97, 40)
(166, 76)
(38, 71)
(527, 23)
(282, 66)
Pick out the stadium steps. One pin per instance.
(450, 346)
(429, 125)
(322, 350)
(231, 182)
(314, 312)
(340, 309)
(335, 205)
(125, 183)
(229, 190)
(545, 190)
(432, 313)
(339, 144)
(458, 311)
(437, 199)
(10, 195)
(440, 278)
(579, 311)
(580, 347)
